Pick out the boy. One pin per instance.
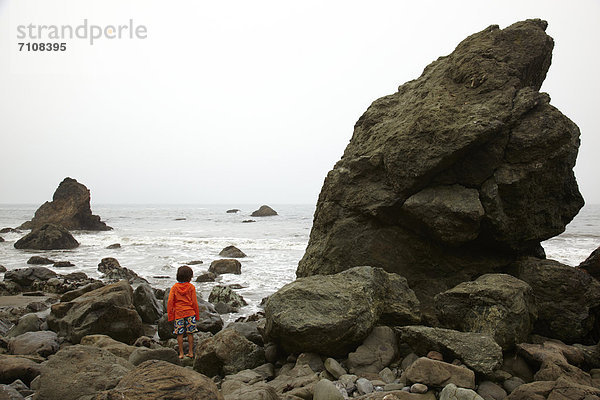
(182, 307)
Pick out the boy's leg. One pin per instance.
(190, 344)
(180, 343)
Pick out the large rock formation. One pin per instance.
(69, 208)
(455, 174)
(47, 237)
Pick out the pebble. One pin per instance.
(387, 375)
(513, 383)
(364, 386)
(334, 368)
(419, 388)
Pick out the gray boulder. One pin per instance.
(26, 277)
(264, 211)
(142, 354)
(567, 299)
(113, 271)
(227, 353)
(226, 298)
(477, 351)
(331, 315)
(497, 305)
(41, 343)
(47, 237)
(119, 349)
(225, 266)
(434, 373)
(78, 371)
(453, 392)
(37, 260)
(146, 304)
(377, 352)
(448, 178)
(15, 367)
(232, 252)
(108, 311)
(27, 323)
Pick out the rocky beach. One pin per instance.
(424, 275)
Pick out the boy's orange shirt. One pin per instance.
(182, 301)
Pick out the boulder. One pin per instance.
(233, 211)
(37, 260)
(225, 266)
(249, 330)
(63, 264)
(15, 367)
(227, 353)
(114, 246)
(26, 277)
(491, 391)
(452, 392)
(592, 264)
(78, 371)
(562, 389)
(232, 252)
(377, 352)
(107, 343)
(567, 299)
(259, 391)
(47, 237)
(299, 380)
(113, 271)
(73, 294)
(108, 311)
(27, 323)
(41, 343)
(142, 354)
(1, 239)
(207, 277)
(146, 304)
(435, 373)
(69, 208)
(448, 178)
(497, 305)
(313, 360)
(477, 351)
(326, 390)
(332, 315)
(225, 296)
(264, 211)
(3, 268)
(555, 360)
(155, 380)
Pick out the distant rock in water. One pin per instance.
(233, 211)
(1, 239)
(247, 221)
(114, 246)
(47, 237)
(69, 208)
(264, 211)
(448, 178)
(37, 260)
(232, 252)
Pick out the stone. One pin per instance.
(27, 323)
(47, 237)
(259, 391)
(225, 266)
(299, 380)
(512, 383)
(15, 367)
(26, 277)
(591, 265)
(448, 178)
(387, 375)
(435, 355)
(108, 310)
(439, 374)
(112, 270)
(567, 300)
(63, 264)
(225, 295)
(326, 390)
(226, 353)
(334, 368)
(418, 388)
(142, 354)
(498, 305)
(233, 211)
(452, 392)
(232, 252)
(364, 386)
(107, 343)
(247, 221)
(154, 380)
(41, 343)
(73, 294)
(207, 277)
(21, 387)
(477, 351)
(377, 352)
(249, 330)
(264, 211)
(37, 260)
(3, 268)
(562, 389)
(332, 315)
(69, 208)
(9, 230)
(7, 392)
(313, 360)
(77, 371)
(490, 391)
(146, 304)
(114, 246)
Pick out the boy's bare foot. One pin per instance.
(181, 356)
(190, 355)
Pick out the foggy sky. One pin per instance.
(243, 101)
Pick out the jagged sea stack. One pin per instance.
(69, 208)
(456, 174)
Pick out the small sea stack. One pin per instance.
(69, 208)
(264, 211)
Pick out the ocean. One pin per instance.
(157, 239)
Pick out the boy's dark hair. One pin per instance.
(184, 274)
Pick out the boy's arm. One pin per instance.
(195, 305)
(170, 305)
